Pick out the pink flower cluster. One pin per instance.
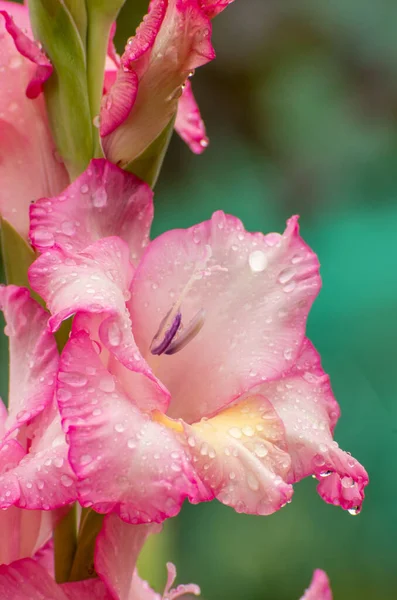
(187, 372)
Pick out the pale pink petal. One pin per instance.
(96, 282)
(45, 555)
(121, 92)
(241, 456)
(23, 533)
(173, 593)
(189, 124)
(304, 401)
(141, 590)
(116, 552)
(112, 53)
(44, 476)
(27, 579)
(125, 463)
(104, 201)
(28, 164)
(256, 292)
(30, 50)
(89, 589)
(33, 356)
(173, 39)
(11, 452)
(319, 588)
(214, 7)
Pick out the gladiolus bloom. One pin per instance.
(188, 373)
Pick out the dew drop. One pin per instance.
(73, 379)
(107, 384)
(354, 511)
(235, 432)
(257, 261)
(252, 481)
(99, 197)
(68, 228)
(248, 431)
(66, 480)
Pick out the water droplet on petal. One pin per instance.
(66, 480)
(99, 197)
(235, 432)
(257, 261)
(107, 384)
(354, 511)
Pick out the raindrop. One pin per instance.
(354, 511)
(107, 384)
(66, 480)
(235, 432)
(252, 481)
(68, 228)
(257, 261)
(99, 197)
(72, 379)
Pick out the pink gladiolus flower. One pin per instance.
(26, 145)
(34, 470)
(188, 373)
(319, 588)
(172, 41)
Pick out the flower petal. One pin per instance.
(27, 579)
(11, 452)
(173, 39)
(95, 284)
(23, 533)
(214, 7)
(319, 588)
(240, 455)
(189, 124)
(28, 165)
(33, 356)
(30, 50)
(125, 463)
(104, 201)
(116, 552)
(95, 281)
(304, 401)
(44, 475)
(256, 292)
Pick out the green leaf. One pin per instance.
(17, 255)
(147, 166)
(78, 11)
(66, 90)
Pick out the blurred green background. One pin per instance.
(301, 109)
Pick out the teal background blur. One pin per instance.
(301, 110)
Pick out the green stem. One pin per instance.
(83, 565)
(65, 542)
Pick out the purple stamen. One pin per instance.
(184, 336)
(162, 340)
